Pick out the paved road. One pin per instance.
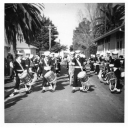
(98, 105)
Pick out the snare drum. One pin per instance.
(25, 77)
(82, 76)
(50, 76)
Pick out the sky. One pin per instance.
(65, 18)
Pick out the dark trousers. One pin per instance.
(17, 84)
(92, 66)
(59, 68)
(97, 70)
(118, 74)
(44, 79)
(76, 83)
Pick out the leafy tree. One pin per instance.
(22, 21)
(42, 37)
(112, 17)
(59, 47)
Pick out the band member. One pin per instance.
(10, 65)
(92, 60)
(53, 62)
(117, 71)
(46, 68)
(97, 68)
(40, 68)
(59, 61)
(36, 65)
(18, 68)
(27, 61)
(78, 63)
(108, 58)
(57, 64)
(71, 67)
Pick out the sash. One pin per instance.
(20, 65)
(45, 62)
(79, 64)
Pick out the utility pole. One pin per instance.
(49, 28)
(49, 37)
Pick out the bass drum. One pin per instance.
(83, 77)
(50, 76)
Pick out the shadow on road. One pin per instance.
(63, 79)
(91, 88)
(14, 100)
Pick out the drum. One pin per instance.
(50, 76)
(110, 76)
(82, 76)
(25, 77)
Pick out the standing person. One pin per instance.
(92, 60)
(97, 69)
(10, 65)
(59, 66)
(40, 68)
(46, 68)
(117, 71)
(27, 62)
(53, 62)
(36, 63)
(71, 67)
(108, 60)
(78, 63)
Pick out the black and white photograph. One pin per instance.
(64, 62)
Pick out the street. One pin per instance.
(98, 105)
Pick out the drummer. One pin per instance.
(78, 63)
(117, 71)
(46, 68)
(18, 68)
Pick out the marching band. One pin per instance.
(48, 67)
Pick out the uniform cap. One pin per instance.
(115, 52)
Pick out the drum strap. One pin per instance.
(45, 62)
(79, 64)
(20, 65)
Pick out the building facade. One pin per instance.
(112, 41)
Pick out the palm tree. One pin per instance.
(22, 21)
(113, 17)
